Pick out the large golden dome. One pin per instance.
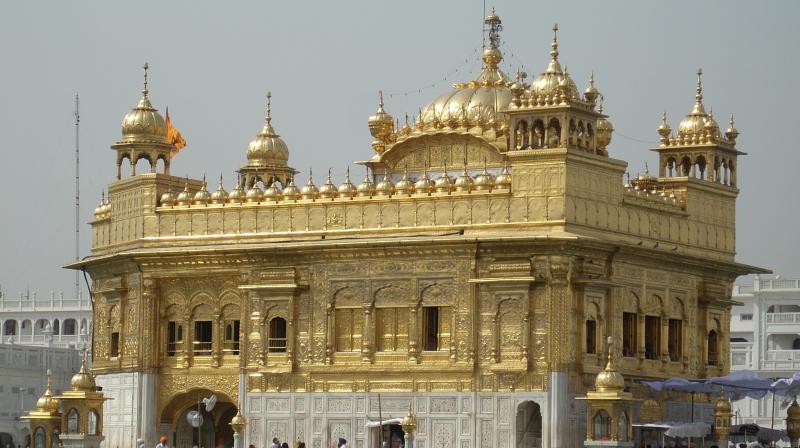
(143, 123)
(268, 148)
(479, 100)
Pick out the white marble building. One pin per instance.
(23, 378)
(765, 337)
(54, 320)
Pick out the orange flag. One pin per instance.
(174, 137)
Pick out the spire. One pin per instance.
(554, 44)
(611, 364)
(145, 91)
(268, 118)
(554, 66)
(491, 49)
(698, 96)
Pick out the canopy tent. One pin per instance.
(742, 383)
(787, 387)
(758, 432)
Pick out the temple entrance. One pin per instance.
(215, 431)
(393, 436)
(529, 425)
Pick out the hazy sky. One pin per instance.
(213, 62)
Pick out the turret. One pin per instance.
(144, 136)
(698, 149)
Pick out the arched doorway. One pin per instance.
(213, 433)
(529, 425)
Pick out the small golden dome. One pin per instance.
(547, 83)
(47, 402)
(722, 405)
(695, 125)
(274, 192)
(83, 380)
(424, 185)
(254, 193)
(603, 129)
(236, 195)
(202, 196)
(503, 180)
(664, 130)
(328, 189)
(484, 181)
(143, 123)
(220, 196)
(609, 380)
(464, 182)
(347, 189)
(385, 187)
(309, 191)
(291, 192)
(409, 423)
(591, 93)
(381, 126)
(444, 184)
(366, 188)
(404, 185)
(167, 199)
(268, 148)
(185, 197)
(732, 133)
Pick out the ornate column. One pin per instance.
(255, 344)
(216, 339)
(366, 335)
(182, 347)
(413, 335)
(329, 323)
(562, 346)
(290, 335)
(188, 334)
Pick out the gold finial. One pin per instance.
(699, 95)
(554, 45)
(731, 120)
(269, 107)
(380, 98)
(49, 380)
(611, 361)
(602, 100)
(145, 91)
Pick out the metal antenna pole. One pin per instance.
(77, 193)
(380, 421)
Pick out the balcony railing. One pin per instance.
(778, 284)
(230, 348)
(781, 360)
(783, 318)
(201, 348)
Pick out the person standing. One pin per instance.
(162, 442)
(276, 443)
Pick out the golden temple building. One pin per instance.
(471, 275)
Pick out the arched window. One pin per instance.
(91, 423)
(712, 348)
(56, 327)
(73, 420)
(277, 335)
(602, 426)
(39, 438)
(622, 427)
(796, 344)
(69, 327)
(591, 337)
(10, 328)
